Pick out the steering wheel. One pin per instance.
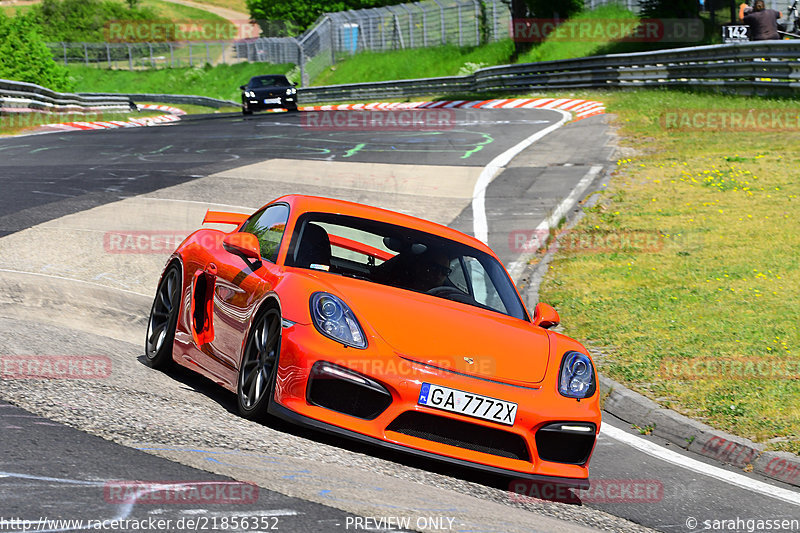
(451, 293)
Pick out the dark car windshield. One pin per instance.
(401, 257)
(269, 81)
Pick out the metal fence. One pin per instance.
(333, 35)
(148, 55)
(421, 24)
(765, 68)
(632, 5)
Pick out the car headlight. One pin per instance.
(250, 94)
(576, 377)
(335, 320)
(291, 91)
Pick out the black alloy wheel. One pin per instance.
(163, 319)
(259, 367)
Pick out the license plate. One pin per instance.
(272, 100)
(467, 403)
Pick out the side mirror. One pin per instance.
(545, 316)
(295, 84)
(243, 87)
(242, 243)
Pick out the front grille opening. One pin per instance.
(461, 434)
(366, 399)
(569, 447)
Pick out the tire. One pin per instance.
(246, 109)
(259, 367)
(163, 320)
(292, 109)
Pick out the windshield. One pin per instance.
(268, 81)
(401, 257)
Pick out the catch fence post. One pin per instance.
(477, 22)
(441, 20)
(460, 39)
(424, 26)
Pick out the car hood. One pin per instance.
(450, 335)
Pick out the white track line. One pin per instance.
(12, 271)
(675, 458)
(210, 204)
(480, 227)
(515, 268)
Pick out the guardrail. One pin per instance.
(765, 68)
(17, 96)
(169, 99)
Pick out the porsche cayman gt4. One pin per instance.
(380, 327)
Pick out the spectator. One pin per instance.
(744, 9)
(763, 22)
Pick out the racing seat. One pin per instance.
(314, 249)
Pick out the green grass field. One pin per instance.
(714, 285)
(561, 45)
(221, 81)
(164, 10)
(415, 63)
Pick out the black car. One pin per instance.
(268, 92)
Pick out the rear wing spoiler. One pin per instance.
(221, 217)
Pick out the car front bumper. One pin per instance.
(272, 102)
(387, 412)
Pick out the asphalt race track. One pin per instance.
(67, 289)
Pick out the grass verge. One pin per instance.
(221, 81)
(199, 109)
(415, 63)
(702, 312)
(556, 47)
(14, 124)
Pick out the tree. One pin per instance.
(24, 56)
(291, 17)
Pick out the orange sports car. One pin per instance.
(380, 327)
